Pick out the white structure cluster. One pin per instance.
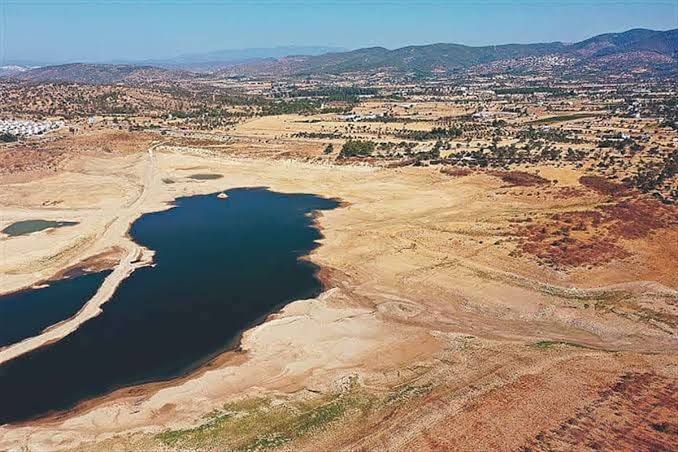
(24, 128)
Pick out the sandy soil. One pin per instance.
(421, 287)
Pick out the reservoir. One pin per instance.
(28, 312)
(221, 265)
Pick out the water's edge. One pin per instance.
(260, 208)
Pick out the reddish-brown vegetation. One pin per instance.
(592, 237)
(519, 178)
(552, 242)
(567, 192)
(636, 218)
(23, 159)
(643, 406)
(603, 186)
(568, 252)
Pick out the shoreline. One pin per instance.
(139, 391)
(232, 352)
(136, 256)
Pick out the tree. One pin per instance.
(7, 137)
(356, 148)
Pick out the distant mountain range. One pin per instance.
(643, 46)
(9, 70)
(611, 52)
(101, 74)
(207, 61)
(225, 58)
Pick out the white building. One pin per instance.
(26, 128)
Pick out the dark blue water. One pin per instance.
(27, 313)
(222, 265)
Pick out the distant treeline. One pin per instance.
(436, 133)
(562, 118)
(204, 113)
(554, 135)
(533, 90)
(336, 93)
(300, 107)
(320, 135)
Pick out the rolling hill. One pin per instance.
(637, 40)
(612, 52)
(639, 45)
(101, 74)
(210, 61)
(10, 70)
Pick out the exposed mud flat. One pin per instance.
(30, 226)
(429, 319)
(205, 176)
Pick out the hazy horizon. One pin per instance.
(96, 31)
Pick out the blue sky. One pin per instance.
(103, 30)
